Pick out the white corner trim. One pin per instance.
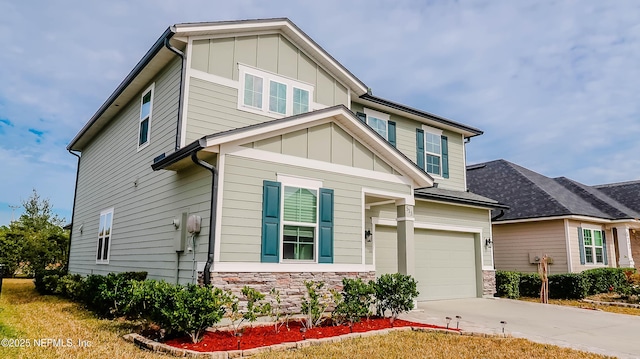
(185, 100)
(567, 238)
(205, 76)
(221, 174)
(289, 267)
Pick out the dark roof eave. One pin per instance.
(153, 51)
(460, 200)
(416, 112)
(178, 155)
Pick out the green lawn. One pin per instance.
(37, 320)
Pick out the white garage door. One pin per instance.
(445, 261)
(445, 264)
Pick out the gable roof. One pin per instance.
(468, 198)
(627, 193)
(532, 195)
(159, 56)
(338, 114)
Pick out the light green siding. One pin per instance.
(213, 108)
(406, 143)
(386, 242)
(114, 174)
(327, 143)
(242, 207)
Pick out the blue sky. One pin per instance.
(555, 85)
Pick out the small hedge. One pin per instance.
(530, 284)
(568, 286)
(603, 280)
(508, 284)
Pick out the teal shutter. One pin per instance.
(420, 148)
(391, 133)
(581, 246)
(604, 249)
(362, 117)
(270, 222)
(445, 156)
(325, 241)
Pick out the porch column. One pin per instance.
(406, 247)
(624, 246)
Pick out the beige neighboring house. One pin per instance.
(580, 227)
(242, 153)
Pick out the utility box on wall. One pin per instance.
(180, 238)
(536, 258)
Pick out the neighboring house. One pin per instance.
(578, 226)
(296, 170)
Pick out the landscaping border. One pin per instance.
(152, 345)
(612, 304)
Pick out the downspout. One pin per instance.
(213, 213)
(498, 215)
(73, 211)
(183, 70)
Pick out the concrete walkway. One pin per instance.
(582, 329)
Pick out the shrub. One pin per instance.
(508, 284)
(277, 311)
(530, 284)
(395, 293)
(631, 289)
(355, 300)
(109, 295)
(601, 280)
(314, 303)
(46, 280)
(255, 307)
(70, 286)
(568, 286)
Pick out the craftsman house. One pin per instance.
(242, 153)
(580, 227)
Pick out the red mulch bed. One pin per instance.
(254, 337)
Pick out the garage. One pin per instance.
(445, 262)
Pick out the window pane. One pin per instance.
(144, 132)
(106, 248)
(597, 235)
(300, 101)
(108, 223)
(99, 256)
(433, 143)
(252, 91)
(277, 97)
(599, 258)
(586, 236)
(433, 164)
(299, 205)
(588, 255)
(380, 126)
(102, 224)
(145, 109)
(298, 243)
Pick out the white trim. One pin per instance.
(464, 163)
(298, 181)
(363, 241)
(185, 99)
(289, 267)
(493, 263)
(451, 203)
(567, 238)
(433, 130)
(384, 117)
(220, 80)
(395, 196)
(436, 132)
(251, 153)
(593, 227)
(150, 89)
(221, 174)
(104, 213)
(305, 183)
(438, 227)
(571, 217)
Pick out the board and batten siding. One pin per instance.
(572, 227)
(242, 207)
(328, 143)
(406, 143)
(513, 242)
(114, 174)
(213, 108)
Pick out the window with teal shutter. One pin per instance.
(445, 156)
(299, 219)
(420, 148)
(326, 226)
(270, 222)
(391, 133)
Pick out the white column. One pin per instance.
(406, 247)
(624, 246)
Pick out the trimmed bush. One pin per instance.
(395, 293)
(507, 284)
(46, 281)
(530, 284)
(70, 286)
(603, 280)
(568, 286)
(355, 301)
(110, 295)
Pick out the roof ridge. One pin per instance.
(615, 184)
(618, 208)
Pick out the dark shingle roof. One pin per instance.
(532, 195)
(627, 193)
(440, 194)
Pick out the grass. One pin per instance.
(585, 305)
(24, 314)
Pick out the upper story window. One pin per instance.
(432, 151)
(380, 122)
(104, 236)
(272, 95)
(146, 109)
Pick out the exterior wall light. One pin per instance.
(488, 242)
(367, 235)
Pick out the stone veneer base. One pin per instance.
(178, 352)
(488, 283)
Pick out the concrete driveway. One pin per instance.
(588, 330)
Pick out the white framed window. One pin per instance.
(433, 150)
(104, 236)
(379, 121)
(273, 95)
(146, 110)
(593, 241)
